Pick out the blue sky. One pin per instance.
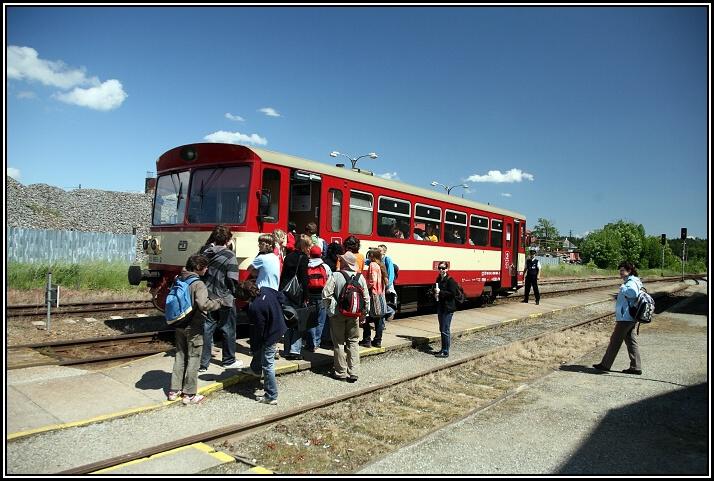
(585, 115)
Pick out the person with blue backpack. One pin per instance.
(625, 323)
(187, 307)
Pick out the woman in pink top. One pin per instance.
(377, 280)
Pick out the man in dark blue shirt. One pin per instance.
(532, 275)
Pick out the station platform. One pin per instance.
(48, 398)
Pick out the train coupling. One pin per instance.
(137, 275)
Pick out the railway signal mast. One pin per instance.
(684, 248)
(664, 243)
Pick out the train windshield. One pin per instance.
(219, 195)
(170, 200)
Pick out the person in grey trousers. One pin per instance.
(344, 330)
(625, 323)
(189, 339)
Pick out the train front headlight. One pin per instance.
(145, 244)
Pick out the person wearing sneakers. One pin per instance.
(267, 327)
(317, 275)
(220, 279)
(344, 330)
(189, 338)
(447, 290)
(624, 322)
(377, 279)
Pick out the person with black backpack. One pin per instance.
(624, 322)
(347, 300)
(447, 291)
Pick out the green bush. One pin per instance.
(95, 275)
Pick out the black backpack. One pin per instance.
(461, 295)
(396, 271)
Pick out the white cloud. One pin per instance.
(221, 136)
(505, 194)
(24, 63)
(106, 96)
(13, 172)
(389, 176)
(269, 111)
(237, 118)
(513, 175)
(26, 94)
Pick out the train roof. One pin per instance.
(319, 167)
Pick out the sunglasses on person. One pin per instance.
(443, 268)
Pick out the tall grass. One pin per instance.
(95, 275)
(582, 270)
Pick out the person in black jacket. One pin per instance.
(446, 291)
(268, 326)
(295, 264)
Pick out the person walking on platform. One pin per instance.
(377, 279)
(189, 337)
(446, 291)
(532, 276)
(344, 330)
(624, 322)
(220, 281)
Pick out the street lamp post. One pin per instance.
(448, 188)
(354, 160)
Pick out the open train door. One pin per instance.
(333, 214)
(509, 254)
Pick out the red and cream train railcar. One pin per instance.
(255, 190)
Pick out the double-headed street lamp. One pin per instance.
(448, 188)
(354, 160)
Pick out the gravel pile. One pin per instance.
(41, 206)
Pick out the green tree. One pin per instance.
(545, 230)
(632, 239)
(602, 247)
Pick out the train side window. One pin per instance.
(170, 198)
(508, 235)
(478, 233)
(393, 217)
(427, 222)
(271, 185)
(454, 227)
(335, 210)
(496, 233)
(361, 208)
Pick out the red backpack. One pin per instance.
(351, 302)
(316, 277)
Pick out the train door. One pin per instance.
(334, 210)
(516, 247)
(273, 198)
(508, 254)
(305, 193)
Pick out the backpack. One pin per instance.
(643, 307)
(316, 277)
(351, 301)
(396, 271)
(178, 302)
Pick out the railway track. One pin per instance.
(474, 383)
(88, 351)
(32, 310)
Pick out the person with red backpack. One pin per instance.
(317, 275)
(347, 300)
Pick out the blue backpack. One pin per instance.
(178, 302)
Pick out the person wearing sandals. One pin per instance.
(189, 339)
